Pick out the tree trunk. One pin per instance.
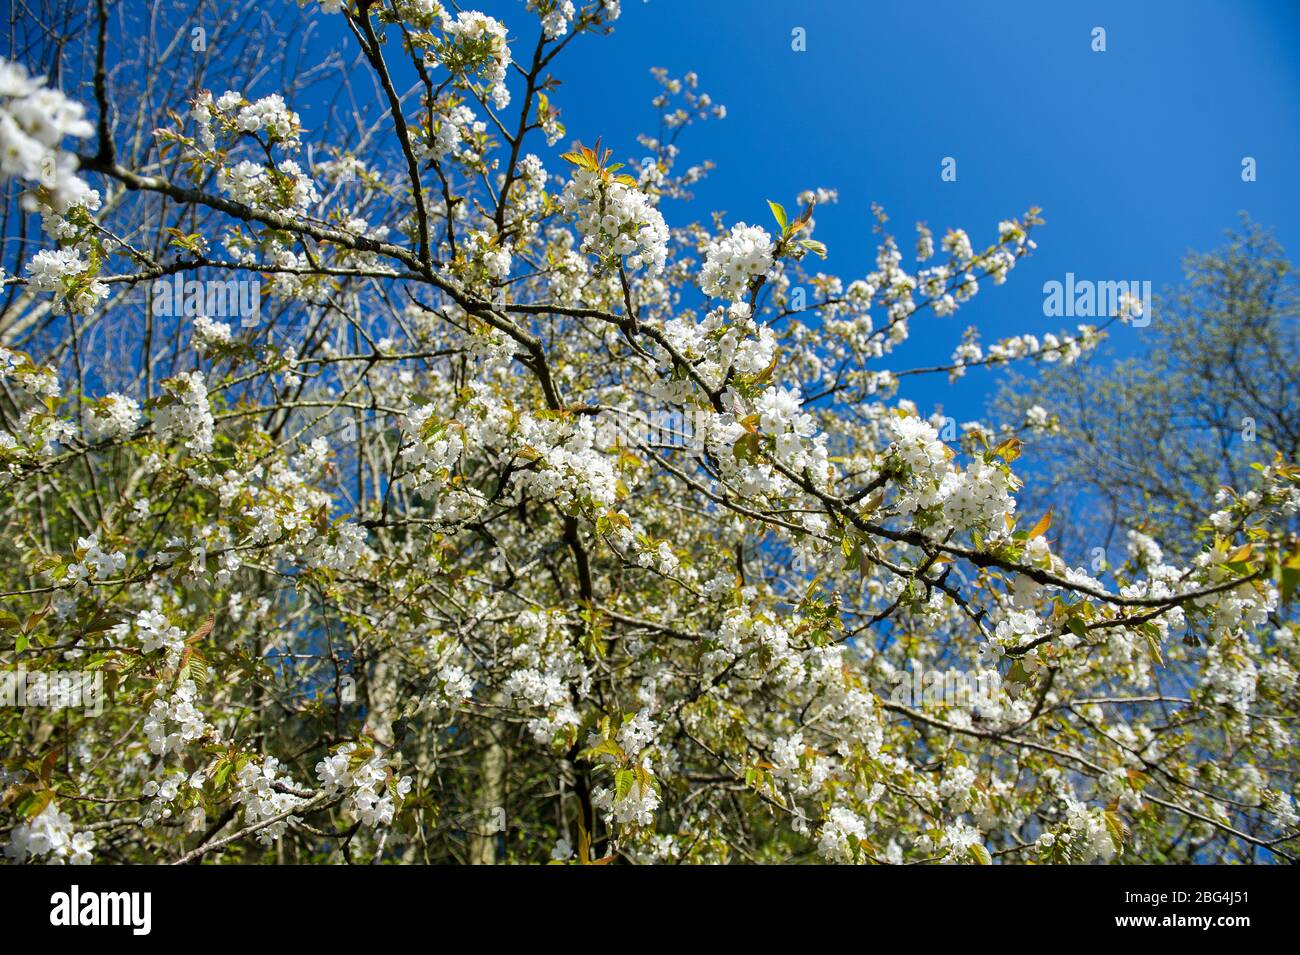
(489, 801)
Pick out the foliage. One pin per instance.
(504, 515)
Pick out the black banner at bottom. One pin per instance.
(141, 906)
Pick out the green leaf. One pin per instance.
(747, 447)
(1290, 580)
(623, 781)
(1119, 832)
(1007, 450)
(606, 747)
(1018, 673)
(1289, 573)
(765, 375)
(223, 774)
(778, 212)
(36, 803)
(1154, 646)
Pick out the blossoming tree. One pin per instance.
(527, 521)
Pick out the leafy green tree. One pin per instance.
(1148, 441)
(454, 495)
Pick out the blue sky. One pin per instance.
(1133, 154)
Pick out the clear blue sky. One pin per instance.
(1133, 154)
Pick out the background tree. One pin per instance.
(1148, 440)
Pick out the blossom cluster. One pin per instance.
(34, 122)
(735, 260)
(616, 220)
